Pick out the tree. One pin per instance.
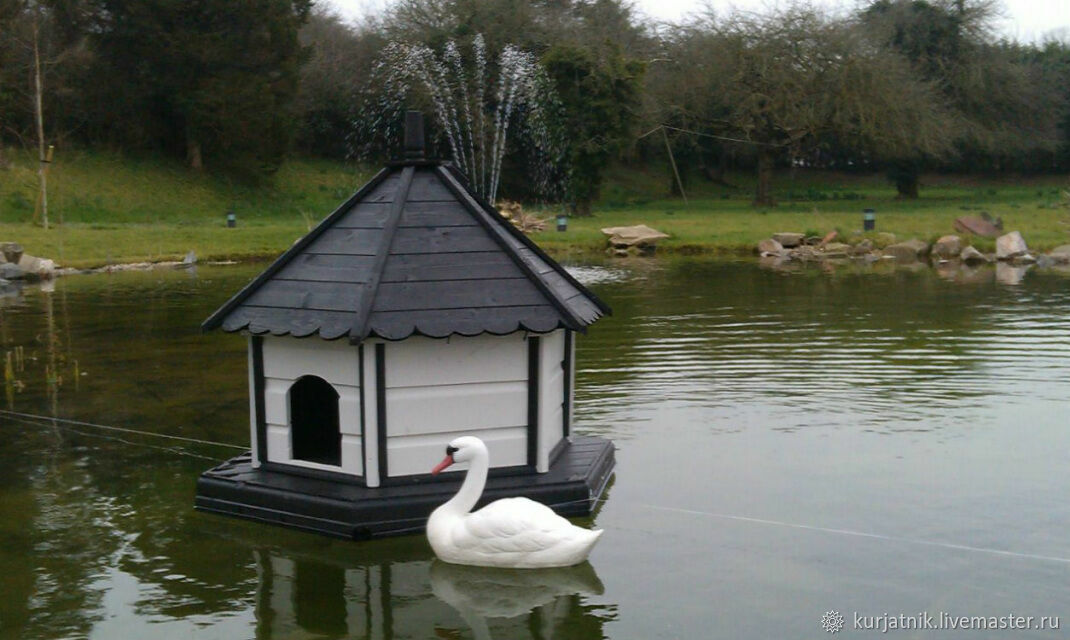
(589, 47)
(784, 81)
(39, 40)
(340, 58)
(211, 78)
(600, 97)
(997, 109)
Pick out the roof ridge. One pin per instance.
(359, 331)
(573, 321)
(516, 233)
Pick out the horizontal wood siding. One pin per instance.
(440, 409)
(288, 359)
(419, 362)
(437, 390)
(416, 455)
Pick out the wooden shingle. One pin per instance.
(412, 252)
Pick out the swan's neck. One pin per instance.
(472, 489)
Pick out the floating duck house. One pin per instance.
(411, 315)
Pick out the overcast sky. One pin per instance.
(1026, 20)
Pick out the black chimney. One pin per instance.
(414, 135)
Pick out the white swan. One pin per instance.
(512, 532)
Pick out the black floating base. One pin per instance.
(344, 509)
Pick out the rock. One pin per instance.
(862, 248)
(1010, 246)
(885, 238)
(812, 241)
(803, 253)
(12, 251)
(907, 251)
(9, 271)
(1025, 258)
(947, 247)
(35, 267)
(638, 235)
(770, 247)
(977, 226)
(8, 288)
(1044, 262)
(1061, 254)
(788, 240)
(969, 255)
(997, 221)
(835, 250)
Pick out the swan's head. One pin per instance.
(461, 449)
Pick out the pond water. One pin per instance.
(789, 444)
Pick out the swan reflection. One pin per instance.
(548, 598)
(410, 596)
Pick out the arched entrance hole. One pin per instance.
(314, 426)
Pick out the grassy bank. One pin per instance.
(116, 209)
(720, 218)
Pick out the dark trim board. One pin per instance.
(572, 488)
(258, 398)
(363, 419)
(559, 448)
(533, 400)
(323, 474)
(380, 408)
(566, 403)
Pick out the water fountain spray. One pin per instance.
(475, 128)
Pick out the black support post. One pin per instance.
(533, 400)
(258, 399)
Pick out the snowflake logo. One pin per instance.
(832, 621)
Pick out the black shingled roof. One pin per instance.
(412, 252)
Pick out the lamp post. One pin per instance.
(869, 220)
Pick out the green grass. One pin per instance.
(120, 209)
(720, 219)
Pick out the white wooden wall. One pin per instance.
(437, 390)
(551, 396)
(285, 360)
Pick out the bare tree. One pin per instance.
(781, 81)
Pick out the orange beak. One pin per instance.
(447, 461)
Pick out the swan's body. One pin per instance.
(512, 532)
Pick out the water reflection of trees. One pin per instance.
(82, 519)
(707, 331)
